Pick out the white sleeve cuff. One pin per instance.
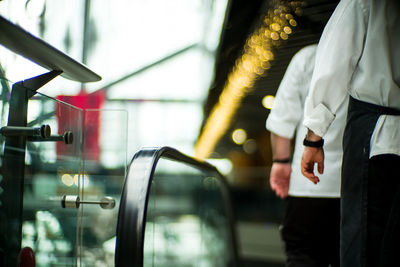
(280, 127)
(318, 119)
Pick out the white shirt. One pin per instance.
(359, 54)
(285, 120)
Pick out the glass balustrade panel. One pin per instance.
(104, 168)
(53, 172)
(187, 222)
(50, 169)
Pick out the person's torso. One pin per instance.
(377, 76)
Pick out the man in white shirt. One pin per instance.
(359, 55)
(312, 219)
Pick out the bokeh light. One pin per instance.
(255, 60)
(239, 136)
(268, 101)
(67, 179)
(250, 146)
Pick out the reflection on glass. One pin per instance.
(105, 149)
(54, 167)
(187, 223)
(53, 170)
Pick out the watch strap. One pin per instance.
(309, 143)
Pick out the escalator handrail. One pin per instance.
(42, 53)
(135, 196)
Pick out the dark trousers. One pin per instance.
(383, 211)
(311, 232)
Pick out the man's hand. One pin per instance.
(280, 178)
(312, 155)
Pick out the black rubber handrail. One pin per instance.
(31, 47)
(134, 201)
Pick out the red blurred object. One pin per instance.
(26, 258)
(90, 103)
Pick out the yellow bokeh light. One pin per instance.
(268, 55)
(274, 36)
(267, 33)
(268, 101)
(254, 62)
(67, 179)
(287, 30)
(259, 70)
(283, 36)
(275, 26)
(239, 136)
(266, 65)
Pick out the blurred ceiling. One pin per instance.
(242, 18)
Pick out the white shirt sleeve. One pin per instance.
(338, 53)
(287, 111)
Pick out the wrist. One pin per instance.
(281, 160)
(311, 136)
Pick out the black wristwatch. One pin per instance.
(309, 143)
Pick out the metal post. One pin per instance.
(13, 167)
